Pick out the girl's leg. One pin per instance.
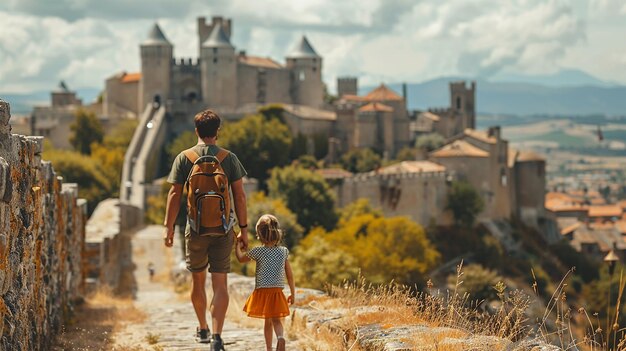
(278, 328)
(267, 330)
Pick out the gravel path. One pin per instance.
(171, 323)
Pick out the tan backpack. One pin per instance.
(208, 198)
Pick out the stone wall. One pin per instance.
(42, 231)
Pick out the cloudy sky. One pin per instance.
(85, 41)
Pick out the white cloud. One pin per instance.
(85, 41)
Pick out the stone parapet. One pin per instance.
(42, 232)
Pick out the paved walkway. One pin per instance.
(171, 321)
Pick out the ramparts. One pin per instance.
(42, 232)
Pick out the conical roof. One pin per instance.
(303, 50)
(156, 37)
(217, 39)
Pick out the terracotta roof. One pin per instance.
(480, 135)
(598, 201)
(560, 202)
(383, 93)
(605, 211)
(259, 61)
(334, 173)
(352, 97)
(303, 50)
(430, 115)
(307, 112)
(376, 107)
(570, 228)
(131, 77)
(412, 167)
(459, 148)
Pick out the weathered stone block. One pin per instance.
(37, 143)
(5, 115)
(5, 181)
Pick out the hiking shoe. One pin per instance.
(217, 345)
(203, 336)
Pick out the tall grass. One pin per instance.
(456, 316)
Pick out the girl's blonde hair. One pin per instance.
(268, 229)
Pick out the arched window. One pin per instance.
(458, 102)
(301, 76)
(503, 179)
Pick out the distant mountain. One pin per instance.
(520, 98)
(563, 78)
(22, 104)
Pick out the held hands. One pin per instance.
(242, 238)
(168, 237)
(291, 299)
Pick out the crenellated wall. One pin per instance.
(42, 232)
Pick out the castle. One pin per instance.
(220, 78)
(168, 92)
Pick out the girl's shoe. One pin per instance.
(280, 345)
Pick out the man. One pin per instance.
(207, 251)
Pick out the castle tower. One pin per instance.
(219, 70)
(347, 86)
(305, 65)
(205, 29)
(462, 100)
(156, 67)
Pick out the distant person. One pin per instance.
(151, 270)
(208, 172)
(268, 301)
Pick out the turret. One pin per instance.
(219, 70)
(156, 65)
(305, 65)
(462, 100)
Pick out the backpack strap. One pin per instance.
(221, 155)
(191, 155)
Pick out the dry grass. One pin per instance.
(96, 320)
(391, 306)
(452, 320)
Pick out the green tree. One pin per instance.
(74, 167)
(86, 130)
(386, 248)
(306, 193)
(110, 153)
(360, 207)
(429, 142)
(259, 204)
(360, 160)
(317, 263)
(465, 203)
(308, 162)
(260, 144)
(183, 141)
(298, 146)
(407, 154)
(476, 281)
(272, 111)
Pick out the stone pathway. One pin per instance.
(170, 319)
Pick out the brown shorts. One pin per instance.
(208, 251)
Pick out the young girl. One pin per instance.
(268, 301)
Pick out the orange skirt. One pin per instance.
(267, 303)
